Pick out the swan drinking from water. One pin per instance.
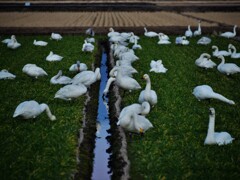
(4, 74)
(220, 138)
(206, 92)
(204, 61)
(53, 57)
(39, 43)
(56, 36)
(60, 79)
(33, 70)
(31, 109)
(229, 34)
(227, 68)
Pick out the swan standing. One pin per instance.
(39, 43)
(31, 109)
(217, 53)
(148, 94)
(60, 79)
(220, 138)
(4, 74)
(56, 36)
(33, 70)
(227, 68)
(206, 92)
(78, 67)
(204, 61)
(229, 34)
(198, 32)
(188, 32)
(53, 57)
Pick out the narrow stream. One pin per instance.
(101, 157)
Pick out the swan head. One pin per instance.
(159, 61)
(221, 57)
(51, 53)
(211, 111)
(214, 47)
(145, 76)
(111, 29)
(53, 118)
(231, 102)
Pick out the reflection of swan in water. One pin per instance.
(98, 127)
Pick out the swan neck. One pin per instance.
(109, 82)
(211, 125)
(45, 107)
(220, 97)
(148, 84)
(223, 60)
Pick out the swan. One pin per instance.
(188, 32)
(150, 33)
(88, 47)
(204, 40)
(6, 41)
(220, 138)
(117, 39)
(133, 122)
(78, 67)
(53, 57)
(87, 77)
(31, 109)
(39, 43)
(204, 61)
(206, 92)
(90, 32)
(90, 40)
(185, 41)
(163, 36)
(163, 40)
(71, 91)
(157, 67)
(229, 34)
(148, 94)
(112, 33)
(59, 79)
(227, 68)
(133, 37)
(181, 40)
(13, 44)
(129, 56)
(234, 54)
(56, 36)
(217, 53)
(4, 74)
(33, 70)
(198, 32)
(136, 45)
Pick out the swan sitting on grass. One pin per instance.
(13, 44)
(31, 109)
(4, 74)
(234, 54)
(220, 138)
(87, 47)
(217, 53)
(6, 41)
(204, 61)
(39, 43)
(78, 67)
(229, 34)
(157, 67)
(204, 40)
(227, 68)
(33, 70)
(162, 39)
(149, 33)
(56, 36)
(53, 57)
(60, 79)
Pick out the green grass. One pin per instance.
(39, 148)
(174, 148)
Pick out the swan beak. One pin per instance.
(141, 130)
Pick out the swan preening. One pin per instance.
(206, 92)
(227, 68)
(229, 34)
(33, 70)
(217, 53)
(4, 74)
(157, 67)
(234, 54)
(39, 43)
(163, 39)
(188, 32)
(13, 44)
(53, 57)
(148, 94)
(220, 138)
(56, 36)
(204, 61)
(60, 79)
(78, 67)
(31, 109)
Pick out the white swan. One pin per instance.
(234, 54)
(112, 33)
(133, 37)
(78, 67)
(31, 109)
(56, 36)
(157, 67)
(185, 41)
(163, 40)
(229, 34)
(90, 32)
(227, 68)
(90, 40)
(148, 94)
(136, 45)
(188, 32)
(204, 40)
(53, 57)
(206, 92)
(39, 43)
(60, 79)
(217, 53)
(88, 47)
(220, 138)
(71, 91)
(33, 70)
(4, 74)
(204, 61)
(198, 32)
(13, 44)
(6, 41)
(149, 33)
(87, 77)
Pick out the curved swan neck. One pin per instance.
(49, 114)
(234, 49)
(148, 84)
(223, 59)
(220, 97)
(234, 30)
(211, 126)
(145, 29)
(109, 82)
(205, 54)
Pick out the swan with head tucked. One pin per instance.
(163, 40)
(229, 34)
(234, 54)
(227, 68)
(204, 61)
(206, 92)
(4, 74)
(149, 33)
(56, 36)
(217, 53)
(31, 109)
(53, 57)
(220, 138)
(13, 44)
(33, 70)
(157, 67)
(78, 67)
(6, 41)
(39, 43)
(148, 94)
(204, 40)
(198, 32)
(87, 47)
(188, 32)
(60, 79)
(71, 91)
(87, 77)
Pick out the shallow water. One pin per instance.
(101, 157)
